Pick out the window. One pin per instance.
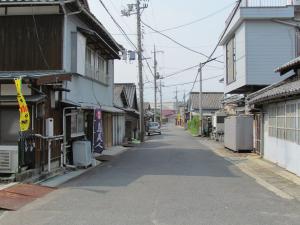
(291, 122)
(77, 123)
(284, 121)
(281, 121)
(96, 67)
(103, 69)
(272, 122)
(220, 119)
(230, 61)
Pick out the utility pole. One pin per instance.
(140, 66)
(129, 12)
(161, 109)
(155, 87)
(156, 76)
(200, 100)
(176, 100)
(201, 96)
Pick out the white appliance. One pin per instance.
(218, 121)
(82, 153)
(8, 159)
(238, 134)
(49, 127)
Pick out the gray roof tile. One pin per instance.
(210, 100)
(290, 86)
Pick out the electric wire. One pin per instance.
(192, 22)
(124, 33)
(216, 47)
(178, 43)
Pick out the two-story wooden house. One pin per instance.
(65, 57)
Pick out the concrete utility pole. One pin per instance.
(140, 66)
(201, 96)
(161, 109)
(129, 12)
(155, 87)
(176, 100)
(156, 76)
(200, 100)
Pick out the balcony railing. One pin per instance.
(266, 3)
(258, 4)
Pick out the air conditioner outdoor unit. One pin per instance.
(82, 153)
(8, 159)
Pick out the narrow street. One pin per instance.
(169, 180)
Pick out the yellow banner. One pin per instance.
(24, 113)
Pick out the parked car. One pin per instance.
(153, 128)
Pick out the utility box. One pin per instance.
(50, 127)
(82, 153)
(238, 134)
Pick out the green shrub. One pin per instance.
(193, 125)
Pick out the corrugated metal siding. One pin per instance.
(268, 45)
(19, 43)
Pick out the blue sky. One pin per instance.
(161, 14)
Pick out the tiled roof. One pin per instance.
(210, 100)
(30, 74)
(291, 65)
(288, 87)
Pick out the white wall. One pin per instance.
(282, 152)
(83, 89)
(268, 45)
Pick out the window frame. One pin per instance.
(231, 55)
(75, 121)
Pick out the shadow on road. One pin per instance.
(166, 155)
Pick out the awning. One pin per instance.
(41, 77)
(111, 109)
(32, 99)
(70, 103)
(92, 106)
(95, 38)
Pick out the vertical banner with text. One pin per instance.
(98, 132)
(24, 113)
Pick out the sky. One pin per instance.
(162, 14)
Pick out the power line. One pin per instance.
(217, 45)
(124, 33)
(190, 82)
(178, 43)
(180, 71)
(198, 20)
(192, 22)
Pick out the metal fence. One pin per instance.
(259, 3)
(265, 3)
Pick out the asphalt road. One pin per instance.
(170, 180)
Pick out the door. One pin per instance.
(257, 133)
(108, 130)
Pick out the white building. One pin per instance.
(259, 36)
(278, 130)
